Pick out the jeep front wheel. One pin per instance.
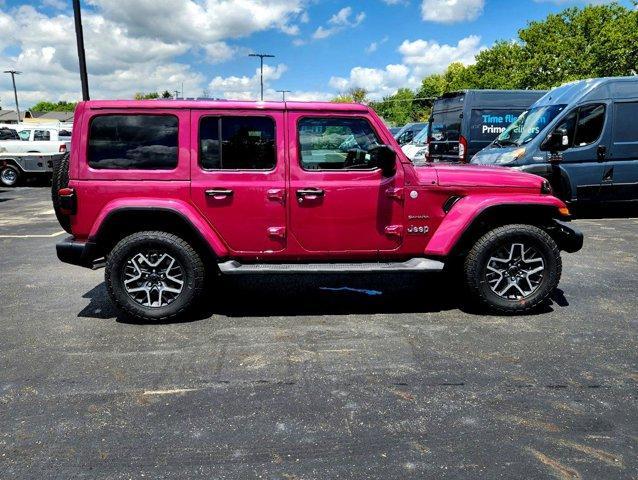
(513, 269)
(154, 276)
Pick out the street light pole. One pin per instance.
(283, 94)
(261, 59)
(79, 36)
(15, 90)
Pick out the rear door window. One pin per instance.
(8, 134)
(446, 126)
(145, 142)
(237, 143)
(486, 125)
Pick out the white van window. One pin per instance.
(25, 135)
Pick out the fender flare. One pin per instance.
(187, 215)
(471, 209)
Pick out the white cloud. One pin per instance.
(339, 21)
(420, 58)
(190, 21)
(244, 87)
(374, 46)
(130, 46)
(451, 11)
(55, 4)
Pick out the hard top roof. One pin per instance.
(224, 105)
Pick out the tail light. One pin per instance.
(462, 149)
(63, 148)
(68, 202)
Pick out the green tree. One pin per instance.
(166, 94)
(146, 96)
(61, 106)
(354, 95)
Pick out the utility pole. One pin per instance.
(283, 94)
(15, 90)
(261, 59)
(79, 35)
(176, 92)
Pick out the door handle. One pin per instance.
(219, 193)
(310, 193)
(601, 153)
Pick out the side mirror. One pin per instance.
(557, 141)
(385, 158)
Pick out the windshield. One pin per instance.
(422, 137)
(528, 125)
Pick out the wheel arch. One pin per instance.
(469, 219)
(123, 221)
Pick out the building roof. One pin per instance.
(60, 116)
(10, 116)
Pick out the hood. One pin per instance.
(475, 176)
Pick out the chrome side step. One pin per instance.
(233, 267)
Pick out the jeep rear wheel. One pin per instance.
(154, 276)
(513, 269)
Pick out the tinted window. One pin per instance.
(41, 136)
(24, 135)
(569, 124)
(446, 126)
(237, 143)
(8, 134)
(591, 119)
(625, 119)
(147, 142)
(64, 134)
(486, 125)
(336, 143)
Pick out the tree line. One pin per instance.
(577, 43)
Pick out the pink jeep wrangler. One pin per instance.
(165, 193)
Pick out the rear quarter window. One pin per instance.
(144, 142)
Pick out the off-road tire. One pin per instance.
(191, 261)
(477, 260)
(60, 179)
(9, 169)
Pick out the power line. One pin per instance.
(283, 94)
(261, 63)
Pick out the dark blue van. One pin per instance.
(462, 123)
(583, 136)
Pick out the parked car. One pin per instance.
(407, 132)
(462, 123)
(416, 150)
(394, 130)
(149, 192)
(36, 139)
(30, 151)
(582, 135)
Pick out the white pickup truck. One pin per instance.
(34, 139)
(30, 150)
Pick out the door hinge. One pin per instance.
(395, 192)
(394, 230)
(277, 232)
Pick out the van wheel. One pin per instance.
(9, 176)
(154, 276)
(513, 269)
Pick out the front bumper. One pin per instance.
(77, 252)
(568, 238)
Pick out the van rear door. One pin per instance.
(445, 130)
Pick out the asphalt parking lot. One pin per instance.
(316, 377)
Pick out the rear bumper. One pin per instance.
(76, 252)
(568, 238)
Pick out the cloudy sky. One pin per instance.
(322, 47)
